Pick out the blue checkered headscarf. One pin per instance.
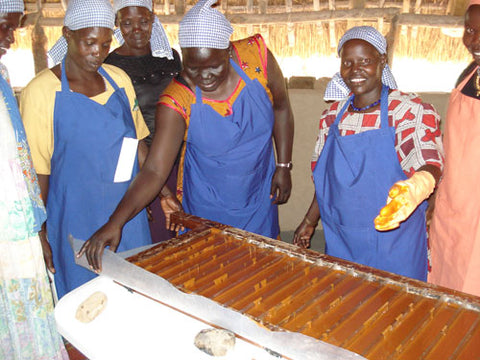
(204, 27)
(11, 6)
(158, 40)
(336, 88)
(83, 14)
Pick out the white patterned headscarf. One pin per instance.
(204, 27)
(159, 44)
(81, 14)
(11, 6)
(336, 88)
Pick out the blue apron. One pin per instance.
(229, 162)
(82, 195)
(352, 178)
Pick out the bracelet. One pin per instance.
(288, 165)
(309, 222)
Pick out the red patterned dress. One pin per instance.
(417, 129)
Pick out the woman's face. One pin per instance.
(471, 34)
(8, 23)
(206, 68)
(88, 47)
(361, 67)
(136, 25)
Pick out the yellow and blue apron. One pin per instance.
(82, 194)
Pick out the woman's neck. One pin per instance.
(125, 50)
(367, 100)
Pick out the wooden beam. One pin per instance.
(430, 20)
(387, 14)
(305, 17)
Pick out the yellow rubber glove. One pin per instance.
(403, 198)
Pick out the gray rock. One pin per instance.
(215, 342)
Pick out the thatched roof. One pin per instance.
(313, 37)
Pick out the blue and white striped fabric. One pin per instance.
(158, 40)
(83, 14)
(336, 88)
(11, 6)
(204, 27)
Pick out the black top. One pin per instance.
(150, 76)
(469, 89)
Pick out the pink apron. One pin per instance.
(455, 228)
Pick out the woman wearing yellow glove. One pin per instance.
(376, 145)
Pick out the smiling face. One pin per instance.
(8, 23)
(88, 48)
(471, 34)
(361, 68)
(136, 25)
(206, 68)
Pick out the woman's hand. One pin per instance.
(281, 185)
(170, 204)
(46, 249)
(108, 235)
(303, 234)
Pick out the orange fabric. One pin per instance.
(252, 58)
(455, 228)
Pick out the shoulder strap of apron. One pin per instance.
(63, 77)
(240, 71)
(383, 108)
(465, 80)
(101, 70)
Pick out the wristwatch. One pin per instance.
(288, 165)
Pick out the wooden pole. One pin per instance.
(180, 7)
(392, 39)
(166, 7)
(263, 4)
(331, 26)
(249, 6)
(39, 47)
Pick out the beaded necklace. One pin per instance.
(368, 106)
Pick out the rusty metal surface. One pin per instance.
(370, 312)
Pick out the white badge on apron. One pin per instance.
(126, 160)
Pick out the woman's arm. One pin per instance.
(304, 232)
(282, 131)
(170, 128)
(43, 182)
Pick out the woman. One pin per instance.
(27, 324)
(83, 124)
(376, 137)
(232, 101)
(146, 56)
(455, 231)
